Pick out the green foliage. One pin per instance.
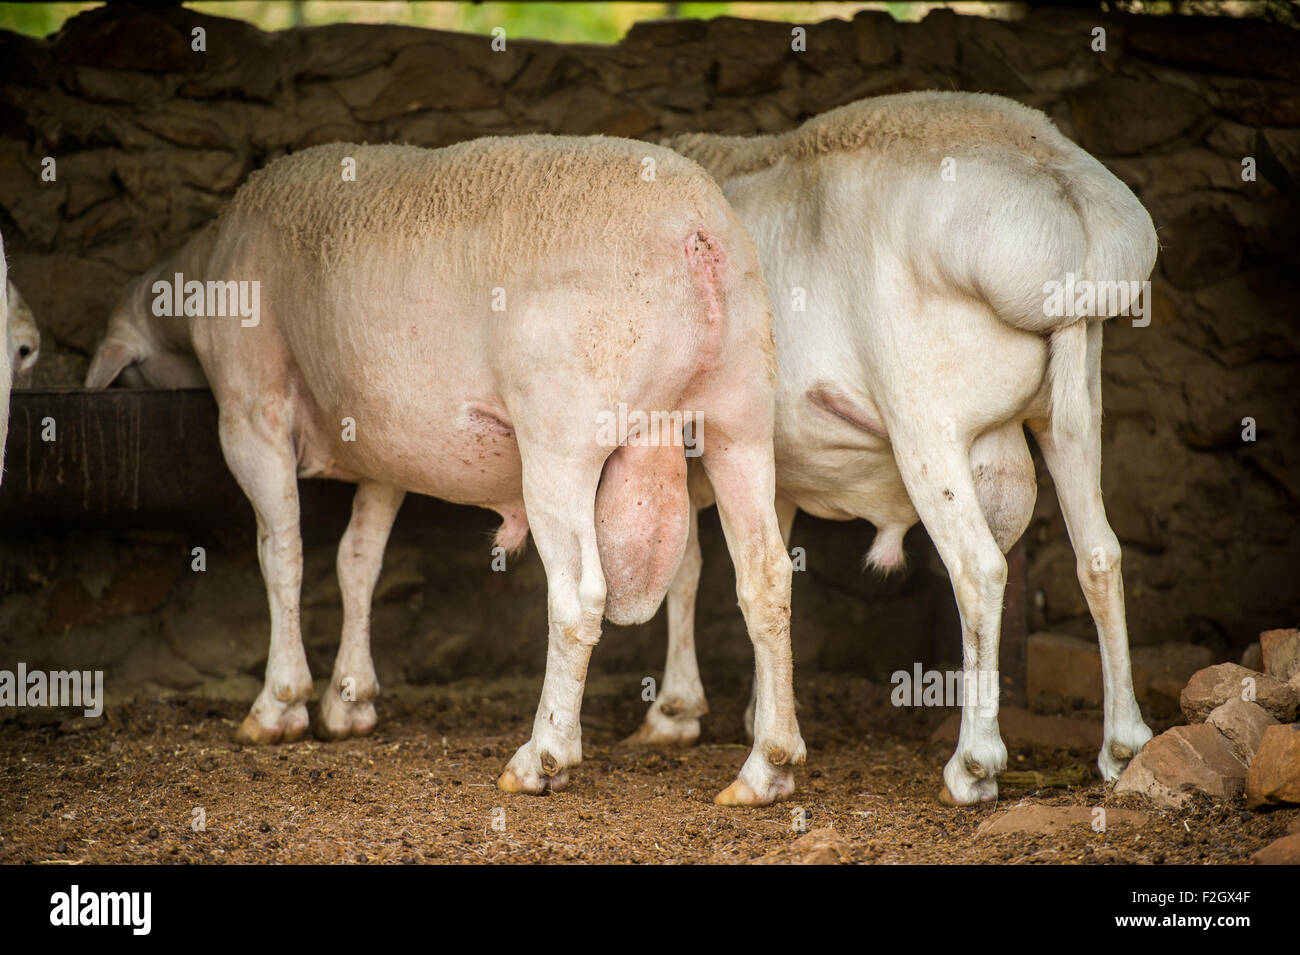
(38, 19)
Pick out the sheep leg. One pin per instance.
(744, 481)
(560, 501)
(260, 454)
(347, 707)
(1075, 465)
(673, 719)
(937, 474)
(785, 512)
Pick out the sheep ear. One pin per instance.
(110, 358)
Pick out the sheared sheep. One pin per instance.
(457, 322)
(915, 246)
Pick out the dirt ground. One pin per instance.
(127, 788)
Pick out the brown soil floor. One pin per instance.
(124, 790)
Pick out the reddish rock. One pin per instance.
(1280, 650)
(819, 847)
(1274, 777)
(1063, 665)
(1047, 820)
(1070, 667)
(1284, 851)
(1243, 725)
(1159, 667)
(1214, 686)
(1183, 761)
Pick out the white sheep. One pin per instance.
(910, 244)
(22, 338)
(458, 322)
(6, 362)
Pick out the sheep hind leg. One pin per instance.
(1075, 465)
(743, 479)
(673, 719)
(785, 514)
(347, 707)
(937, 475)
(560, 500)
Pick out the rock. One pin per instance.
(1252, 658)
(1204, 245)
(127, 39)
(1274, 778)
(1215, 685)
(1284, 851)
(1164, 691)
(1064, 665)
(933, 41)
(1070, 667)
(1280, 650)
(586, 111)
(818, 847)
(650, 33)
(122, 86)
(1021, 726)
(1215, 47)
(1155, 668)
(69, 294)
(1243, 725)
(430, 76)
(745, 76)
(1183, 761)
(874, 31)
(1047, 820)
(1153, 113)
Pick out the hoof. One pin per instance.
(760, 783)
(345, 721)
(253, 733)
(508, 782)
(984, 790)
(739, 794)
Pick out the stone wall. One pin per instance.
(151, 137)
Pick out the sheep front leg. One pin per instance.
(260, 454)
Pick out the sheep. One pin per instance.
(6, 361)
(22, 338)
(925, 232)
(473, 314)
